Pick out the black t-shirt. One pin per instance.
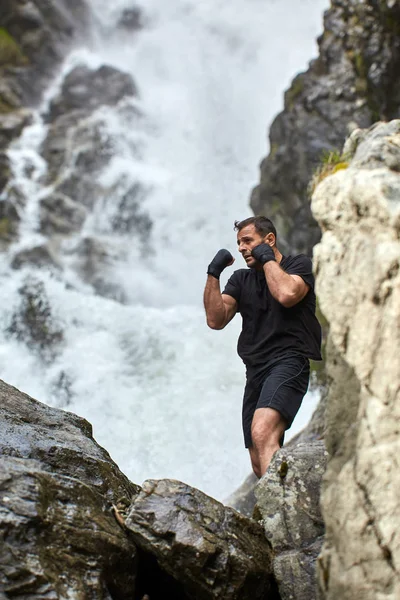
(270, 331)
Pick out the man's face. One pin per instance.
(247, 239)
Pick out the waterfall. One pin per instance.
(162, 391)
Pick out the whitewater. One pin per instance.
(162, 391)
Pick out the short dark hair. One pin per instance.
(262, 225)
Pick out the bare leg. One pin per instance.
(255, 462)
(267, 429)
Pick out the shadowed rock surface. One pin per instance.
(213, 551)
(359, 212)
(353, 83)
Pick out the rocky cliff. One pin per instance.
(358, 283)
(353, 83)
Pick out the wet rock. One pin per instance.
(58, 535)
(213, 551)
(86, 89)
(9, 221)
(288, 499)
(347, 87)
(5, 171)
(60, 214)
(131, 19)
(75, 144)
(12, 124)
(358, 210)
(57, 539)
(128, 215)
(39, 256)
(33, 323)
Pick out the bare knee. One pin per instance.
(267, 428)
(264, 435)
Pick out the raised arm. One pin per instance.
(287, 289)
(220, 308)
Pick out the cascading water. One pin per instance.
(162, 391)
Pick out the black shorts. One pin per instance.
(282, 387)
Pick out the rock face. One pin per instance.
(358, 284)
(214, 552)
(58, 536)
(352, 83)
(288, 502)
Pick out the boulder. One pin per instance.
(33, 323)
(38, 256)
(57, 539)
(58, 534)
(358, 284)
(288, 499)
(73, 143)
(60, 214)
(12, 124)
(351, 84)
(9, 221)
(86, 89)
(213, 551)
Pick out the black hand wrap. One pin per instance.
(263, 253)
(221, 260)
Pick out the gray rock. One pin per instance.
(288, 503)
(32, 321)
(85, 89)
(213, 551)
(9, 221)
(73, 143)
(131, 19)
(12, 124)
(60, 214)
(351, 85)
(39, 256)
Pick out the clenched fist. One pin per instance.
(221, 260)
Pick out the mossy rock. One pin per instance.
(6, 228)
(295, 90)
(10, 52)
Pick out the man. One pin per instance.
(280, 333)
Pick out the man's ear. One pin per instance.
(270, 239)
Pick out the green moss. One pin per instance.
(331, 162)
(5, 228)
(10, 52)
(274, 149)
(295, 90)
(360, 66)
(283, 469)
